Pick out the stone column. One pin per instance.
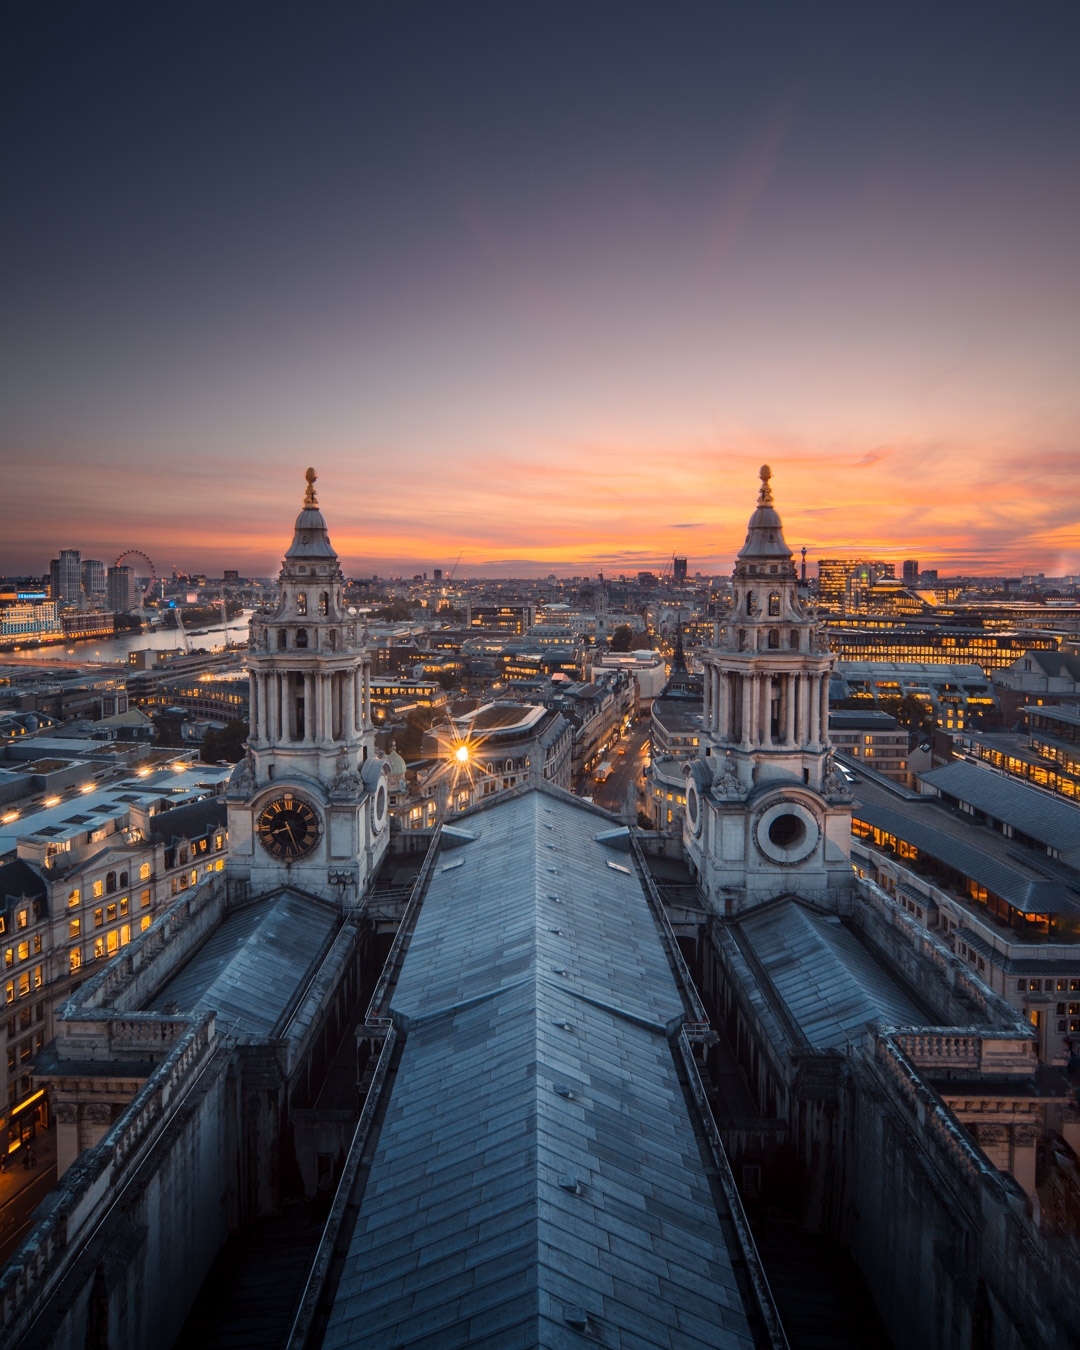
(707, 700)
(746, 686)
(814, 725)
(766, 710)
(721, 711)
(367, 694)
(824, 709)
(309, 708)
(790, 687)
(348, 706)
(802, 728)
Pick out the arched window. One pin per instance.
(110, 882)
(301, 637)
(281, 639)
(774, 606)
(301, 603)
(333, 639)
(774, 637)
(794, 641)
(751, 602)
(324, 603)
(742, 639)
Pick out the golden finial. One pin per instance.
(765, 495)
(309, 496)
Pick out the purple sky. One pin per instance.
(540, 284)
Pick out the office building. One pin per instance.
(120, 588)
(840, 579)
(65, 577)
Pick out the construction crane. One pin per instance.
(454, 568)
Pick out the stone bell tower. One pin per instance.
(765, 814)
(308, 806)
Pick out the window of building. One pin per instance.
(144, 923)
(124, 905)
(9, 992)
(301, 603)
(110, 882)
(24, 984)
(301, 637)
(324, 603)
(112, 941)
(281, 639)
(24, 950)
(774, 606)
(9, 957)
(110, 913)
(99, 889)
(144, 900)
(73, 898)
(22, 918)
(99, 918)
(125, 934)
(74, 928)
(144, 872)
(74, 959)
(99, 947)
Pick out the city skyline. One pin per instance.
(542, 289)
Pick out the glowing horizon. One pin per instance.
(548, 331)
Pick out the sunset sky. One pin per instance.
(540, 283)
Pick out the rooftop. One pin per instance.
(831, 985)
(538, 1164)
(1032, 886)
(1037, 814)
(252, 966)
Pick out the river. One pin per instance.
(114, 651)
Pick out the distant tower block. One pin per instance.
(680, 569)
(911, 571)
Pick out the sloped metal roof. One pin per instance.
(830, 984)
(1037, 814)
(537, 1164)
(250, 968)
(1022, 888)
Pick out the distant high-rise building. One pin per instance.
(93, 581)
(231, 577)
(911, 571)
(680, 569)
(437, 574)
(836, 576)
(120, 587)
(65, 575)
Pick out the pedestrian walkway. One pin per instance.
(23, 1188)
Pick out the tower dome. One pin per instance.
(311, 542)
(765, 532)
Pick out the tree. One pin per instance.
(226, 744)
(910, 712)
(622, 640)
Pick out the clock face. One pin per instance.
(288, 828)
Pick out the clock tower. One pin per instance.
(766, 813)
(308, 805)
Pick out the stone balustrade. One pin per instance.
(936, 1124)
(94, 1182)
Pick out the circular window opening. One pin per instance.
(787, 831)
